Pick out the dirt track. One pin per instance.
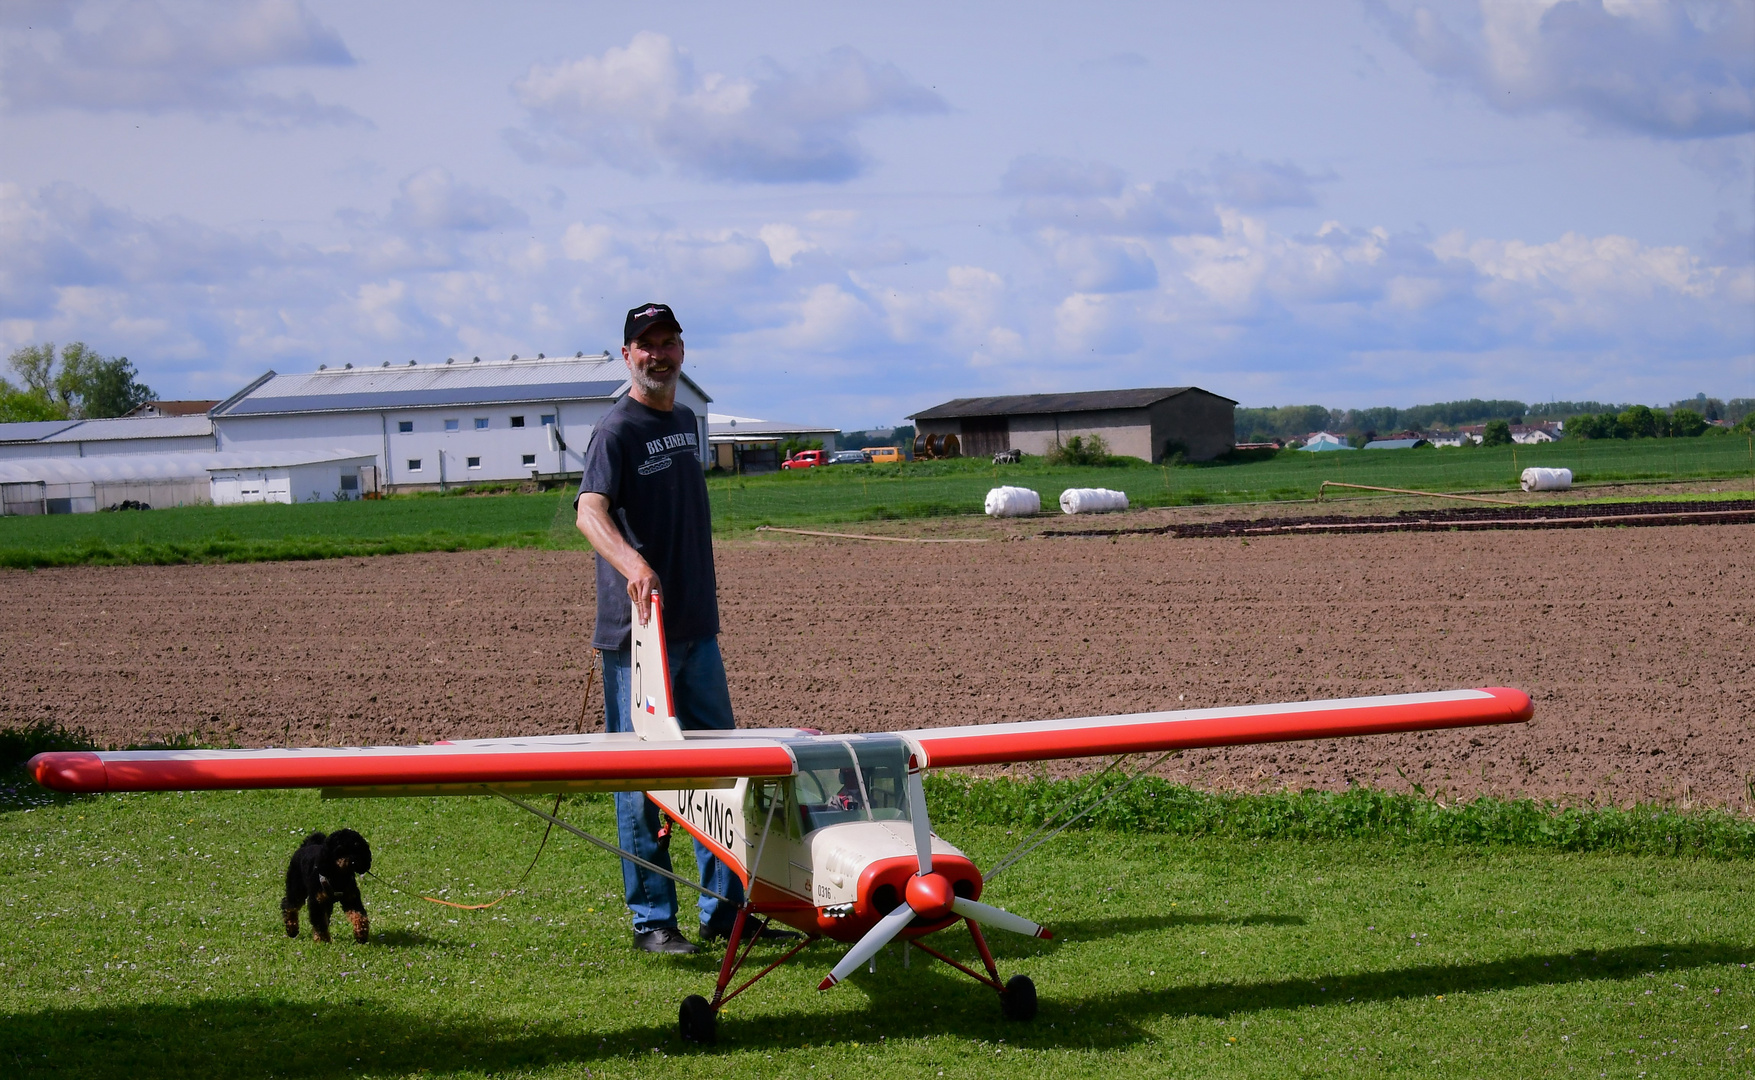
(1634, 643)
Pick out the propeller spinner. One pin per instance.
(928, 896)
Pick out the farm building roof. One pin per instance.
(134, 427)
(195, 464)
(1322, 441)
(722, 428)
(1033, 404)
(415, 385)
(32, 430)
(172, 408)
(1394, 444)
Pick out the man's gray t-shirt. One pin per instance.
(647, 464)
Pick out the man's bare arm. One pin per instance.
(595, 523)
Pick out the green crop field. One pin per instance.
(140, 937)
(928, 489)
(300, 531)
(840, 494)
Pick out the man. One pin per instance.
(643, 505)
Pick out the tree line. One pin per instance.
(1588, 419)
(80, 384)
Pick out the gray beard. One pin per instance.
(653, 385)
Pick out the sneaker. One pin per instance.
(769, 933)
(665, 939)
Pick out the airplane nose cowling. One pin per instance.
(885, 883)
(930, 895)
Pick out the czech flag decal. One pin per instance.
(651, 706)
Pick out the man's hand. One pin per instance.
(595, 523)
(641, 586)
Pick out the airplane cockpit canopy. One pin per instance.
(863, 779)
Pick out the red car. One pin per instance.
(806, 459)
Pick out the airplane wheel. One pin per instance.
(699, 1024)
(1018, 1001)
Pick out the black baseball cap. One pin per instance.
(645, 317)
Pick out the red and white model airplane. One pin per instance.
(829, 833)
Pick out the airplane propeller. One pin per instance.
(928, 896)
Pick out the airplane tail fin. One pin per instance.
(649, 701)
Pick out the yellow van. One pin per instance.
(883, 455)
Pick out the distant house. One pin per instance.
(1395, 444)
(1447, 438)
(173, 408)
(1150, 424)
(1528, 434)
(1319, 441)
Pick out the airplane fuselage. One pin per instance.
(829, 851)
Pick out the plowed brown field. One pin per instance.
(1635, 644)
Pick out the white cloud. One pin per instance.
(141, 57)
(963, 314)
(1247, 308)
(1665, 68)
(1167, 208)
(785, 242)
(1254, 185)
(1086, 324)
(827, 319)
(1103, 265)
(434, 199)
(379, 307)
(644, 107)
(587, 243)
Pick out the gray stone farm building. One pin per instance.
(1150, 424)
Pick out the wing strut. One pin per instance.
(1025, 847)
(611, 848)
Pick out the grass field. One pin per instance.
(300, 531)
(139, 937)
(817, 496)
(929, 489)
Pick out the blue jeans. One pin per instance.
(702, 701)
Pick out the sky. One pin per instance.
(860, 211)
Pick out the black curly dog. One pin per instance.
(321, 872)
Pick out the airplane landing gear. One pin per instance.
(699, 1023)
(1018, 1000)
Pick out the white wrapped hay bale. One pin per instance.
(1092, 500)
(1547, 479)
(1013, 502)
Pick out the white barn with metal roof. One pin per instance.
(81, 485)
(439, 424)
(24, 439)
(116, 435)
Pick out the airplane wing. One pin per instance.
(626, 762)
(1188, 729)
(597, 762)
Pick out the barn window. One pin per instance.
(405, 426)
(481, 423)
(548, 419)
(529, 459)
(414, 464)
(450, 425)
(474, 463)
(517, 421)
